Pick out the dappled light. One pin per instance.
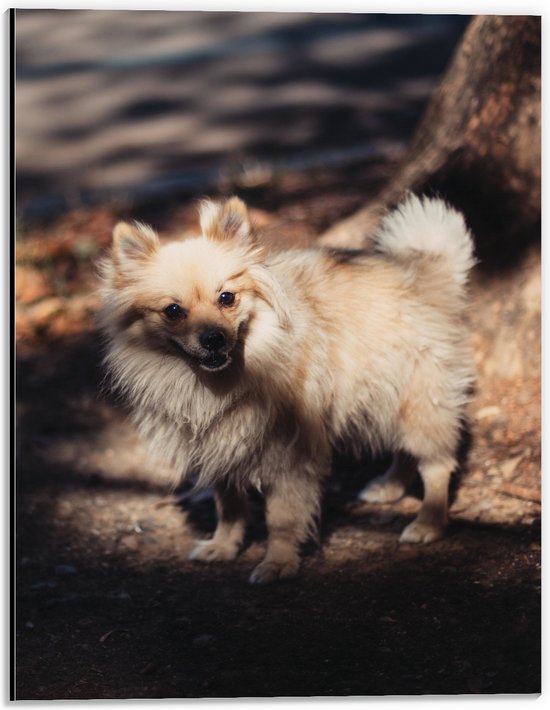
(306, 117)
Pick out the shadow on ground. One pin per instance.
(109, 607)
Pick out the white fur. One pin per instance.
(373, 353)
(428, 226)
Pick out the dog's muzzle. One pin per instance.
(214, 340)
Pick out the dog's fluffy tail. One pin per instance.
(431, 227)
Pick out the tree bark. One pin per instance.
(478, 144)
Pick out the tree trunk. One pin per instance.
(478, 143)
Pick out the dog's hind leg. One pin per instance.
(392, 485)
(429, 430)
(231, 507)
(430, 523)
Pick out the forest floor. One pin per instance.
(107, 604)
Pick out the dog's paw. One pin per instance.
(380, 490)
(213, 551)
(270, 571)
(418, 532)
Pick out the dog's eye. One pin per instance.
(174, 312)
(226, 298)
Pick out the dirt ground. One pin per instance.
(108, 605)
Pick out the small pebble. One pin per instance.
(490, 411)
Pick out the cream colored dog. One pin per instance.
(246, 368)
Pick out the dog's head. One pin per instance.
(199, 294)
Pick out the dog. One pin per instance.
(246, 368)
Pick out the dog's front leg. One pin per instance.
(292, 509)
(231, 507)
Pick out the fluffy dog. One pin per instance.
(245, 368)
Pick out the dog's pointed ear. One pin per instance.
(222, 221)
(133, 243)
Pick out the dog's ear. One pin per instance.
(223, 221)
(133, 243)
(269, 290)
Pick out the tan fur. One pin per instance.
(321, 348)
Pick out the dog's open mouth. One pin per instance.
(214, 361)
(211, 361)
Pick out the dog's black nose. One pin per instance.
(213, 339)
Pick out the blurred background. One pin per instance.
(136, 115)
(146, 105)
